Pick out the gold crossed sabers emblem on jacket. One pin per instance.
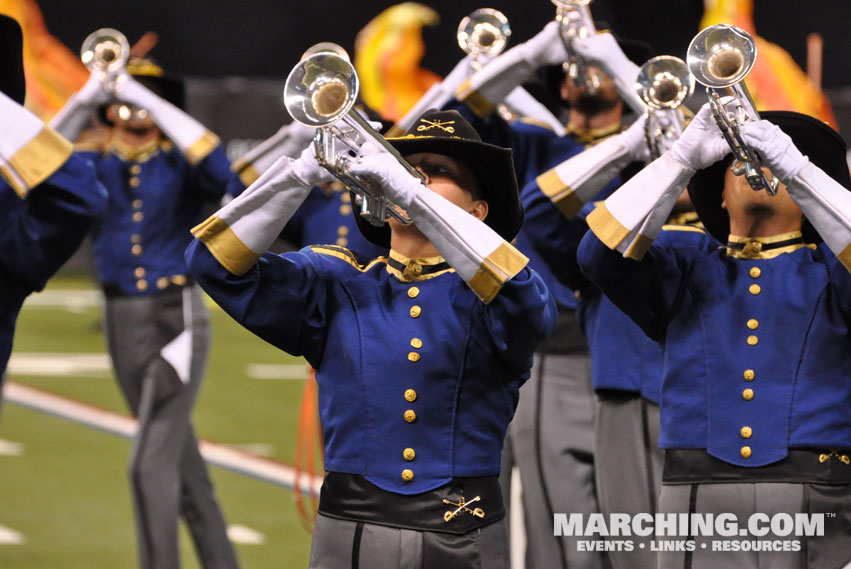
(437, 123)
(462, 505)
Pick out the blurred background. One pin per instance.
(64, 499)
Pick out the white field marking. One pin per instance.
(9, 448)
(60, 364)
(9, 536)
(517, 529)
(240, 462)
(277, 371)
(245, 535)
(259, 449)
(71, 299)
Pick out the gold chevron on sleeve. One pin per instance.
(606, 227)
(37, 160)
(202, 147)
(225, 246)
(496, 269)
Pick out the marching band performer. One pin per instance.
(756, 334)
(418, 356)
(160, 168)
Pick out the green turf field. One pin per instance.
(67, 491)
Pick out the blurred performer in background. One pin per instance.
(551, 435)
(160, 168)
(48, 196)
(756, 334)
(418, 358)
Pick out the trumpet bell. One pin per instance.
(721, 55)
(105, 50)
(323, 87)
(484, 32)
(664, 82)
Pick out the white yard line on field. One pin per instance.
(223, 456)
(276, 371)
(9, 536)
(59, 364)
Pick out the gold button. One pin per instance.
(410, 395)
(416, 343)
(416, 269)
(416, 311)
(345, 209)
(162, 282)
(135, 238)
(746, 432)
(747, 394)
(179, 280)
(342, 241)
(746, 452)
(413, 357)
(754, 289)
(756, 246)
(135, 169)
(413, 292)
(345, 197)
(136, 250)
(139, 272)
(755, 272)
(134, 182)
(753, 340)
(138, 216)
(407, 475)
(137, 204)
(409, 454)
(342, 230)
(141, 285)
(749, 375)
(410, 416)
(753, 324)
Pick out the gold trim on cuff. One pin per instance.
(606, 227)
(496, 269)
(202, 147)
(248, 175)
(225, 246)
(394, 131)
(639, 247)
(37, 160)
(563, 196)
(845, 257)
(477, 102)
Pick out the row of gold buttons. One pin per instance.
(746, 432)
(410, 395)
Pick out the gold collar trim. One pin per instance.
(586, 136)
(765, 247)
(407, 269)
(685, 218)
(142, 153)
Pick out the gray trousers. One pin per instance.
(343, 544)
(159, 346)
(551, 441)
(628, 466)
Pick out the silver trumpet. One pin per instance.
(105, 52)
(720, 57)
(483, 34)
(575, 22)
(320, 92)
(663, 84)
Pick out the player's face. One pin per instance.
(131, 118)
(605, 98)
(740, 200)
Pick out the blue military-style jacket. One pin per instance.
(41, 228)
(155, 197)
(418, 378)
(757, 349)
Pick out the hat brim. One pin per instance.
(821, 144)
(493, 167)
(12, 81)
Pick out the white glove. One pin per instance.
(396, 183)
(92, 93)
(701, 143)
(775, 148)
(308, 170)
(634, 140)
(462, 70)
(546, 47)
(603, 51)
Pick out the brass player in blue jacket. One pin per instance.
(48, 196)
(755, 415)
(419, 355)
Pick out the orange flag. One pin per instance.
(53, 73)
(775, 82)
(388, 51)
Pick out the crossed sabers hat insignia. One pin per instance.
(437, 123)
(462, 505)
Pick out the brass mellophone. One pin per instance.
(720, 57)
(105, 52)
(483, 34)
(320, 92)
(663, 84)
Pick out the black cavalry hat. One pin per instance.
(152, 76)
(821, 144)
(449, 134)
(12, 66)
